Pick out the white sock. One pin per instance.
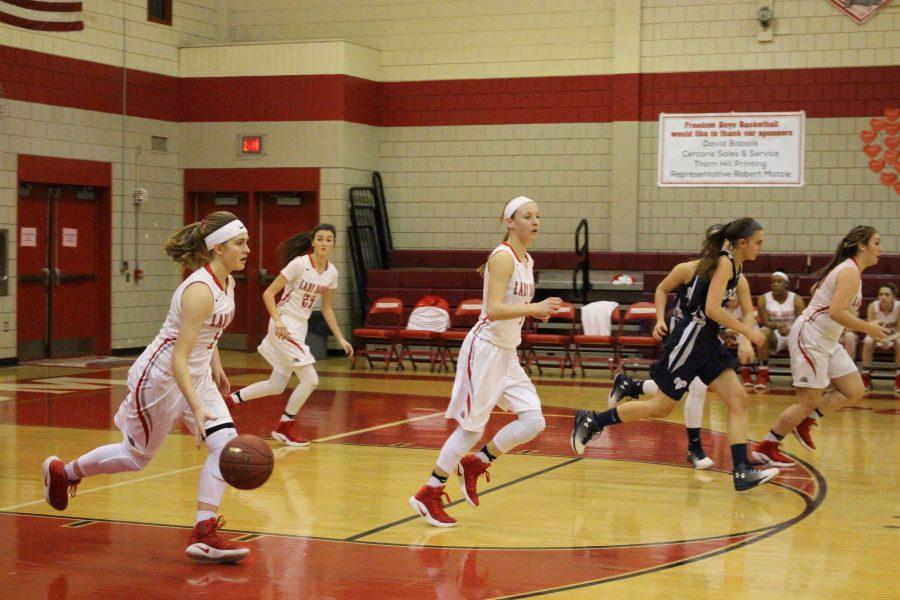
(770, 437)
(484, 457)
(434, 482)
(649, 387)
(815, 414)
(284, 418)
(70, 472)
(204, 515)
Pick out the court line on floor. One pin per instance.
(380, 528)
(200, 466)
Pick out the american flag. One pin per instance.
(42, 15)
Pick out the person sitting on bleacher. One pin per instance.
(884, 310)
(777, 310)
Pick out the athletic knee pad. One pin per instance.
(308, 376)
(216, 439)
(533, 423)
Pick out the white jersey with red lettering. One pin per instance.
(159, 352)
(519, 290)
(815, 316)
(782, 313)
(304, 286)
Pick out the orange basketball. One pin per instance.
(246, 462)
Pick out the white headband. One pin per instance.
(514, 205)
(782, 275)
(224, 233)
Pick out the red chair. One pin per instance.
(422, 345)
(380, 329)
(598, 348)
(548, 341)
(463, 319)
(642, 315)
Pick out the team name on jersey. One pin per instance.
(524, 290)
(311, 288)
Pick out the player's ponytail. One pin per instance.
(505, 238)
(302, 243)
(187, 244)
(847, 248)
(733, 232)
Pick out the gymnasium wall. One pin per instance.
(477, 127)
(460, 105)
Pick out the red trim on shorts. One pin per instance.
(213, 275)
(137, 394)
(816, 313)
(469, 375)
(299, 347)
(802, 351)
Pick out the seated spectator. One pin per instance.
(777, 310)
(884, 310)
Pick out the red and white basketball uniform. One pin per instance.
(488, 372)
(782, 313)
(155, 403)
(304, 287)
(889, 320)
(817, 356)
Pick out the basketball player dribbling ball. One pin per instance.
(693, 349)
(817, 357)
(682, 280)
(306, 277)
(488, 372)
(178, 377)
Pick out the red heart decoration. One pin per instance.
(892, 142)
(897, 188)
(891, 156)
(877, 123)
(872, 150)
(888, 178)
(892, 128)
(867, 136)
(892, 114)
(876, 165)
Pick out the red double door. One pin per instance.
(270, 217)
(63, 256)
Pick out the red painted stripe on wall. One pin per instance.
(822, 93)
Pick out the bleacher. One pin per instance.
(452, 274)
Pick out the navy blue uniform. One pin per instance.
(693, 348)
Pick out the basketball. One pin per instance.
(246, 462)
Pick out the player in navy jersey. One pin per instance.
(693, 349)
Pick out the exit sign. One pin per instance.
(251, 144)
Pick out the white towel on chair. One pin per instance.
(596, 317)
(429, 318)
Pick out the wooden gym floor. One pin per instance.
(629, 519)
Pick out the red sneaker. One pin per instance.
(762, 380)
(285, 434)
(470, 468)
(745, 377)
(57, 487)
(429, 505)
(206, 545)
(803, 433)
(767, 452)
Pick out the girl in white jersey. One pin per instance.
(305, 278)
(778, 309)
(885, 310)
(488, 372)
(817, 358)
(179, 377)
